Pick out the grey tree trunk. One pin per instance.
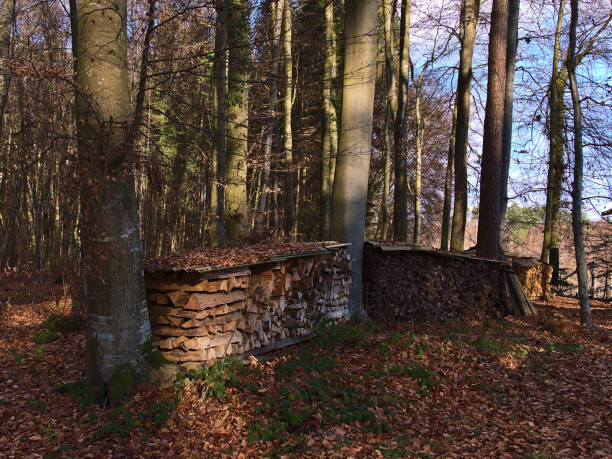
(419, 130)
(118, 332)
(236, 199)
(581, 262)
(511, 49)
(448, 185)
(470, 9)
(487, 245)
(352, 168)
(400, 191)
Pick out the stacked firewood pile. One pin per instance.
(200, 314)
(416, 283)
(533, 275)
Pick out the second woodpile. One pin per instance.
(421, 284)
(533, 275)
(197, 317)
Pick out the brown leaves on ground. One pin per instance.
(230, 256)
(511, 388)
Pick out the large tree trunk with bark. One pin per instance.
(236, 199)
(581, 262)
(490, 178)
(470, 9)
(351, 182)
(118, 332)
(7, 17)
(400, 190)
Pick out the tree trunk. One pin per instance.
(287, 133)
(351, 183)
(556, 108)
(448, 185)
(277, 20)
(511, 48)
(236, 199)
(400, 191)
(7, 17)
(118, 332)
(217, 192)
(581, 263)
(470, 9)
(419, 125)
(490, 178)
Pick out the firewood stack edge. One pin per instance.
(201, 314)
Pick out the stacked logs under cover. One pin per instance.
(533, 275)
(201, 315)
(415, 283)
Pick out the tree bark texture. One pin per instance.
(351, 182)
(236, 199)
(400, 190)
(581, 262)
(290, 220)
(470, 10)
(448, 185)
(118, 330)
(490, 178)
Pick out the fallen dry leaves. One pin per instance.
(507, 388)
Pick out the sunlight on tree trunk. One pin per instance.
(351, 183)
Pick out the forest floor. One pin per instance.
(536, 388)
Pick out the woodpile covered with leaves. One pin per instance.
(417, 283)
(200, 314)
(533, 275)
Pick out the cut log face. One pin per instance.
(200, 317)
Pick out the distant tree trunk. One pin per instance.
(400, 190)
(351, 183)
(556, 108)
(216, 236)
(419, 126)
(287, 132)
(326, 148)
(448, 185)
(490, 178)
(236, 199)
(118, 332)
(390, 113)
(277, 20)
(581, 263)
(7, 17)
(470, 9)
(511, 48)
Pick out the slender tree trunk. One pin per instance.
(287, 133)
(511, 49)
(326, 147)
(448, 185)
(390, 113)
(581, 262)
(419, 125)
(118, 332)
(7, 17)
(236, 199)
(400, 191)
(490, 177)
(556, 107)
(351, 183)
(277, 20)
(217, 191)
(470, 9)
